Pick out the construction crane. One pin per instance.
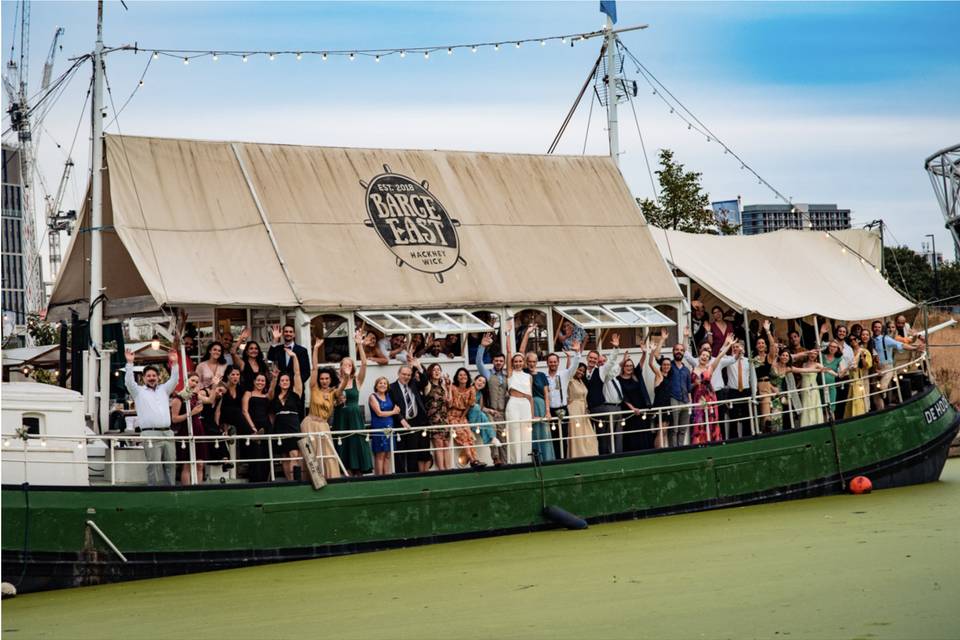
(16, 84)
(57, 220)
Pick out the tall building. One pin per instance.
(761, 218)
(14, 274)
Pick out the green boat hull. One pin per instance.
(47, 542)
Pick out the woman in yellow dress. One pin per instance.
(857, 404)
(323, 399)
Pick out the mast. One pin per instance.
(96, 222)
(613, 131)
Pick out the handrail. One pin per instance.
(603, 420)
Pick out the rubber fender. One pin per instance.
(564, 518)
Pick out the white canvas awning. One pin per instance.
(241, 224)
(788, 274)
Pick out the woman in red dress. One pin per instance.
(705, 415)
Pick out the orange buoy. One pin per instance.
(861, 484)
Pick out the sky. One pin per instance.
(829, 102)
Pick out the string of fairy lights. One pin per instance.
(186, 56)
(376, 55)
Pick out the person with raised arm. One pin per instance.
(405, 393)
(286, 407)
(602, 373)
(285, 350)
(497, 391)
(461, 396)
(635, 400)
(251, 362)
(662, 368)
(323, 398)
(810, 397)
(765, 356)
(540, 434)
(354, 448)
(199, 401)
(558, 381)
(706, 426)
(519, 410)
(153, 414)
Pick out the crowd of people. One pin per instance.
(513, 410)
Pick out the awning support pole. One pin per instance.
(753, 374)
(265, 221)
(184, 374)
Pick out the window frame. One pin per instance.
(449, 318)
(614, 319)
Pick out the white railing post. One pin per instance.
(612, 418)
(560, 432)
(273, 473)
(393, 461)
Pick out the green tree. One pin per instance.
(908, 272)
(683, 205)
(43, 333)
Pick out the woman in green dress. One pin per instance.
(833, 361)
(779, 371)
(354, 449)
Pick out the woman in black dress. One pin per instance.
(229, 413)
(251, 363)
(635, 399)
(286, 408)
(661, 367)
(256, 417)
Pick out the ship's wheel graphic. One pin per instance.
(412, 223)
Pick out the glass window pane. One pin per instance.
(413, 320)
(467, 321)
(579, 316)
(384, 322)
(626, 315)
(440, 322)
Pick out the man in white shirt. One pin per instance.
(740, 386)
(604, 396)
(557, 382)
(394, 347)
(153, 413)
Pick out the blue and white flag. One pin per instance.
(609, 7)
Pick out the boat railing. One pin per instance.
(655, 422)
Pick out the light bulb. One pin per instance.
(186, 61)
(244, 58)
(377, 59)
(496, 47)
(80, 445)
(324, 57)
(449, 51)
(6, 442)
(155, 55)
(563, 40)
(299, 56)
(843, 250)
(403, 54)
(215, 57)
(155, 345)
(353, 57)
(543, 43)
(272, 56)
(426, 55)
(141, 83)
(43, 442)
(518, 45)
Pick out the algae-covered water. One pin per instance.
(885, 565)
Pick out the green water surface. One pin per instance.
(886, 565)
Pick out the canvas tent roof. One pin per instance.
(788, 274)
(221, 223)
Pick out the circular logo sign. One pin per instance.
(412, 223)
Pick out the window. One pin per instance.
(335, 332)
(615, 316)
(439, 321)
(31, 422)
